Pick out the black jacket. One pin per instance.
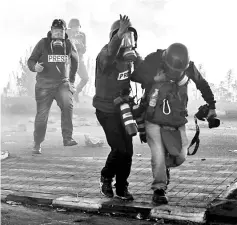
(113, 75)
(147, 70)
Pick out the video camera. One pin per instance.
(202, 115)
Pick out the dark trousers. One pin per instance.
(83, 75)
(44, 99)
(119, 160)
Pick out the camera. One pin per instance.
(126, 114)
(202, 115)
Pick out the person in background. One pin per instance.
(78, 38)
(54, 81)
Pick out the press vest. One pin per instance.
(56, 63)
(109, 83)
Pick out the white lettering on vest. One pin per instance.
(123, 75)
(57, 58)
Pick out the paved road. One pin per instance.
(198, 181)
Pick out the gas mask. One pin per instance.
(58, 36)
(128, 45)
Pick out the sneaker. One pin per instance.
(36, 149)
(159, 197)
(69, 142)
(124, 194)
(168, 175)
(106, 187)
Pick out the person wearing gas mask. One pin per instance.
(114, 65)
(165, 75)
(79, 39)
(55, 60)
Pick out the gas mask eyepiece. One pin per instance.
(129, 44)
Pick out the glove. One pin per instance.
(143, 138)
(211, 113)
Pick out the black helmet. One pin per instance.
(115, 27)
(74, 23)
(59, 23)
(176, 57)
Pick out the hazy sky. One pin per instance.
(207, 27)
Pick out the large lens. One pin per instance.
(213, 122)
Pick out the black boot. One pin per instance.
(69, 142)
(159, 197)
(124, 194)
(106, 187)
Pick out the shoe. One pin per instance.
(159, 197)
(168, 175)
(124, 194)
(36, 149)
(69, 142)
(106, 187)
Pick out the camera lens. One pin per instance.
(213, 122)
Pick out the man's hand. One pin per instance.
(160, 76)
(38, 67)
(124, 25)
(72, 87)
(211, 113)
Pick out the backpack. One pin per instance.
(167, 103)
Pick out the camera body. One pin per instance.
(202, 115)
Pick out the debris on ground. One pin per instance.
(93, 141)
(12, 203)
(61, 210)
(235, 151)
(4, 154)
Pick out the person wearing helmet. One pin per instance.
(165, 75)
(54, 80)
(114, 65)
(79, 39)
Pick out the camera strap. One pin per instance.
(195, 139)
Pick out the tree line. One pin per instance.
(22, 82)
